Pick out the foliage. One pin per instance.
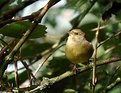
(45, 45)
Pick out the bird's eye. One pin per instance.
(76, 33)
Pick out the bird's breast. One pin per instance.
(78, 51)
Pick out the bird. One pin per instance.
(78, 49)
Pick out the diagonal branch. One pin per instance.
(47, 82)
(112, 85)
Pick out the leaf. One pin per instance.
(31, 49)
(17, 29)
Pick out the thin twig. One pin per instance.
(42, 63)
(6, 47)
(46, 52)
(28, 69)
(16, 73)
(94, 62)
(102, 27)
(109, 38)
(16, 19)
(110, 49)
(28, 72)
(3, 42)
(111, 77)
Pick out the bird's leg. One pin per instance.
(75, 69)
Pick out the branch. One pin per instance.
(113, 36)
(16, 72)
(95, 57)
(46, 82)
(112, 85)
(109, 49)
(28, 72)
(6, 47)
(10, 13)
(30, 17)
(42, 63)
(48, 51)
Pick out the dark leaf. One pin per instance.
(17, 29)
(31, 49)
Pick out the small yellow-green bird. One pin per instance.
(78, 49)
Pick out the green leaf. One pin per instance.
(31, 49)
(17, 29)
